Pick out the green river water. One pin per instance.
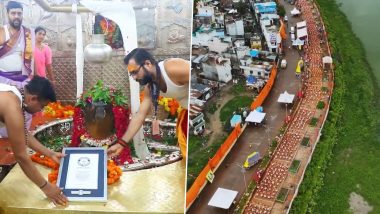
(364, 16)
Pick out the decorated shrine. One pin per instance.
(98, 119)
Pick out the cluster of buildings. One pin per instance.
(231, 39)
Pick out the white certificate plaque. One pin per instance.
(83, 174)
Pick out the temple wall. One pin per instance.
(163, 27)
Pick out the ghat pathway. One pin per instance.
(316, 81)
(230, 175)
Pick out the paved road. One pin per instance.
(230, 175)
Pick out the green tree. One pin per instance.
(281, 10)
(241, 7)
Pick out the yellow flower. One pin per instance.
(179, 109)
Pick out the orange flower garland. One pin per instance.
(44, 160)
(170, 105)
(57, 110)
(53, 176)
(113, 173)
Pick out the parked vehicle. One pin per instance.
(283, 63)
(291, 30)
(292, 34)
(292, 37)
(251, 160)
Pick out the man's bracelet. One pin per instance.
(43, 185)
(123, 143)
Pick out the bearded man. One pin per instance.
(169, 78)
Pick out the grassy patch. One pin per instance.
(295, 166)
(321, 105)
(282, 129)
(199, 154)
(305, 141)
(211, 108)
(281, 197)
(238, 88)
(313, 121)
(195, 159)
(264, 162)
(347, 156)
(273, 145)
(234, 105)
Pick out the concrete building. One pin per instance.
(257, 69)
(268, 23)
(255, 42)
(217, 68)
(241, 52)
(219, 20)
(217, 45)
(206, 11)
(235, 27)
(203, 36)
(197, 124)
(201, 91)
(196, 116)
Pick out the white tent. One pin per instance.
(327, 62)
(295, 11)
(286, 98)
(255, 117)
(302, 33)
(222, 198)
(301, 24)
(327, 59)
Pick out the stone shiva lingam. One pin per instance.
(101, 116)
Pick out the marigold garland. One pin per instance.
(57, 110)
(44, 160)
(170, 105)
(113, 173)
(53, 176)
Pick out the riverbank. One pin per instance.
(345, 160)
